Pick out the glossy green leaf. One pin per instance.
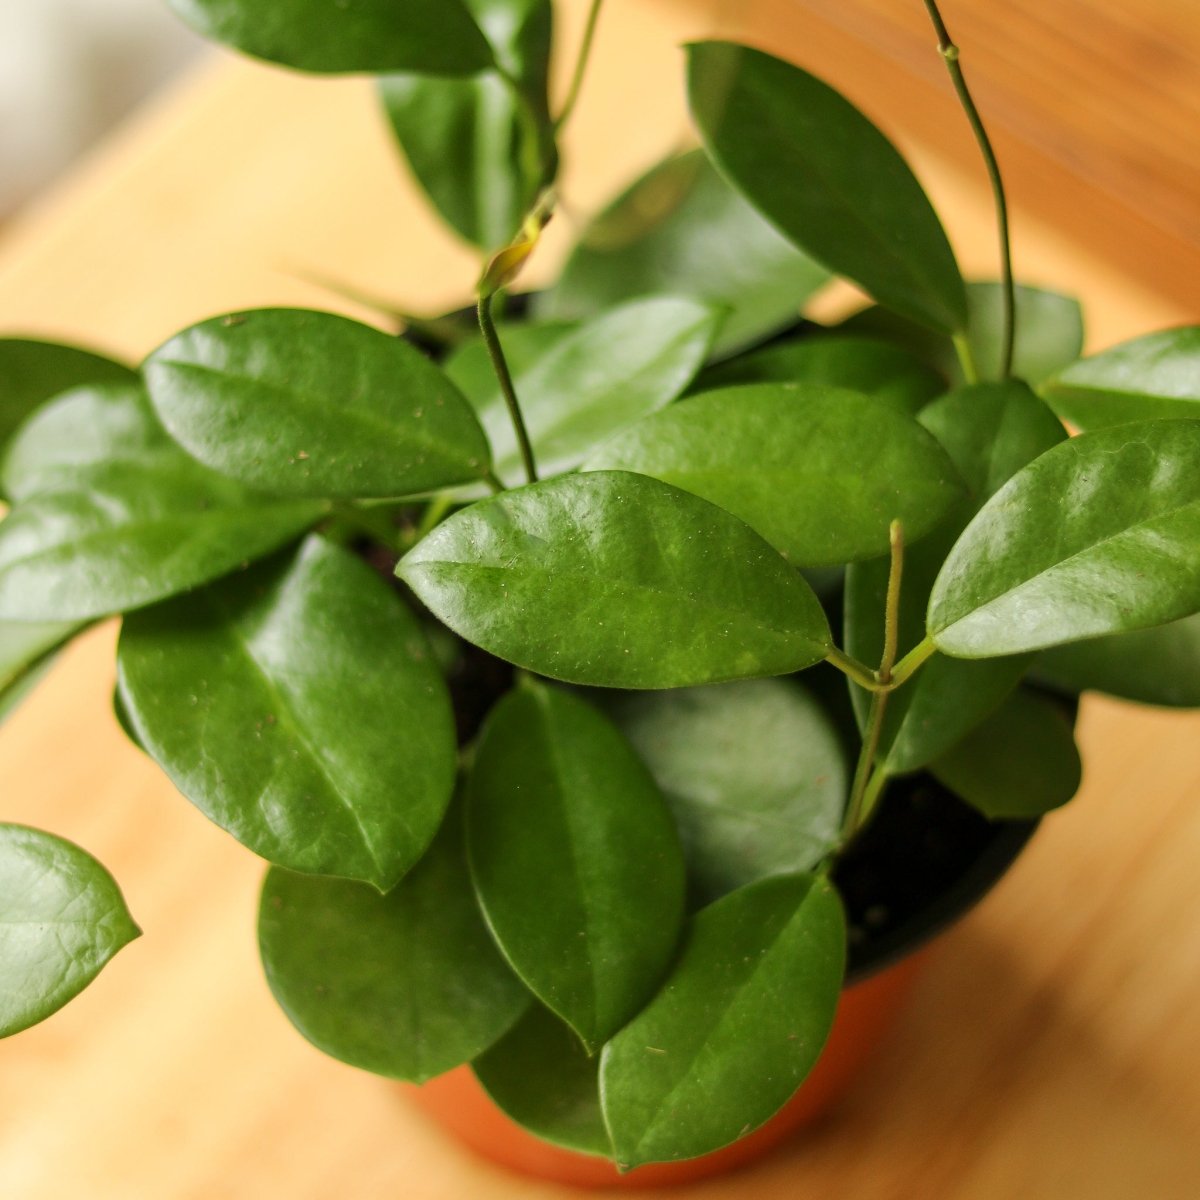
(113, 515)
(1100, 535)
(297, 706)
(480, 153)
(1152, 666)
(336, 36)
(540, 1074)
(738, 1025)
(754, 772)
(61, 919)
(617, 580)
(407, 985)
(26, 651)
(1049, 333)
(470, 369)
(787, 459)
(681, 229)
(598, 379)
(1153, 376)
(305, 403)
(827, 178)
(1020, 763)
(867, 365)
(564, 825)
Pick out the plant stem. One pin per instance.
(949, 53)
(866, 762)
(585, 53)
(966, 357)
(891, 610)
(435, 510)
(915, 658)
(500, 365)
(860, 673)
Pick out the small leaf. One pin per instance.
(1020, 763)
(61, 919)
(114, 516)
(564, 825)
(540, 1075)
(735, 1029)
(26, 651)
(302, 403)
(816, 168)
(754, 772)
(297, 706)
(1152, 666)
(794, 486)
(681, 229)
(617, 580)
(407, 985)
(436, 36)
(867, 365)
(1153, 376)
(1099, 535)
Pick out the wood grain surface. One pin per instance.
(1050, 1053)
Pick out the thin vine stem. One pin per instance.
(500, 365)
(581, 65)
(913, 661)
(859, 672)
(950, 55)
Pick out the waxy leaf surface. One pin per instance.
(802, 485)
(437, 36)
(617, 580)
(302, 403)
(61, 919)
(565, 825)
(1100, 535)
(815, 167)
(406, 985)
(298, 706)
(737, 1026)
(681, 229)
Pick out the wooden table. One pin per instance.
(1051, 1053)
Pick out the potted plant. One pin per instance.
(602, 671)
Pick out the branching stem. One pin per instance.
(500, 365)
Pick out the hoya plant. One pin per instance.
(557, 655)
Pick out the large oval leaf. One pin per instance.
(1153, 376)
(61, 919)
(310, 404)
(787, 459)
(681, 229)
(1100, 535)
(437, 36)
(298, 707)
(735, 1029)
(754, 772)
(407, 985)
(618, 580)
(565, 825)
(114, 515)
(827, 178)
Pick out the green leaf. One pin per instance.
(1020, 763)
(113, 515)
(1049, 333)
(601, 377)
(407, 985)
(867, 365)
(827, 178)
(787, 459)
(297, 706)
(754, 772)
(617, 580)
(540, 1075)
(470, 369)
(305, 403)
(61, 919)
(480, 153)
(681, 229)
(26, 651)
(336, 36)
(1099, 535)
(1153, 376)
(564, 825)
(1152, 666)
(736, 1028)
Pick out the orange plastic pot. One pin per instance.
(866, 1012)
